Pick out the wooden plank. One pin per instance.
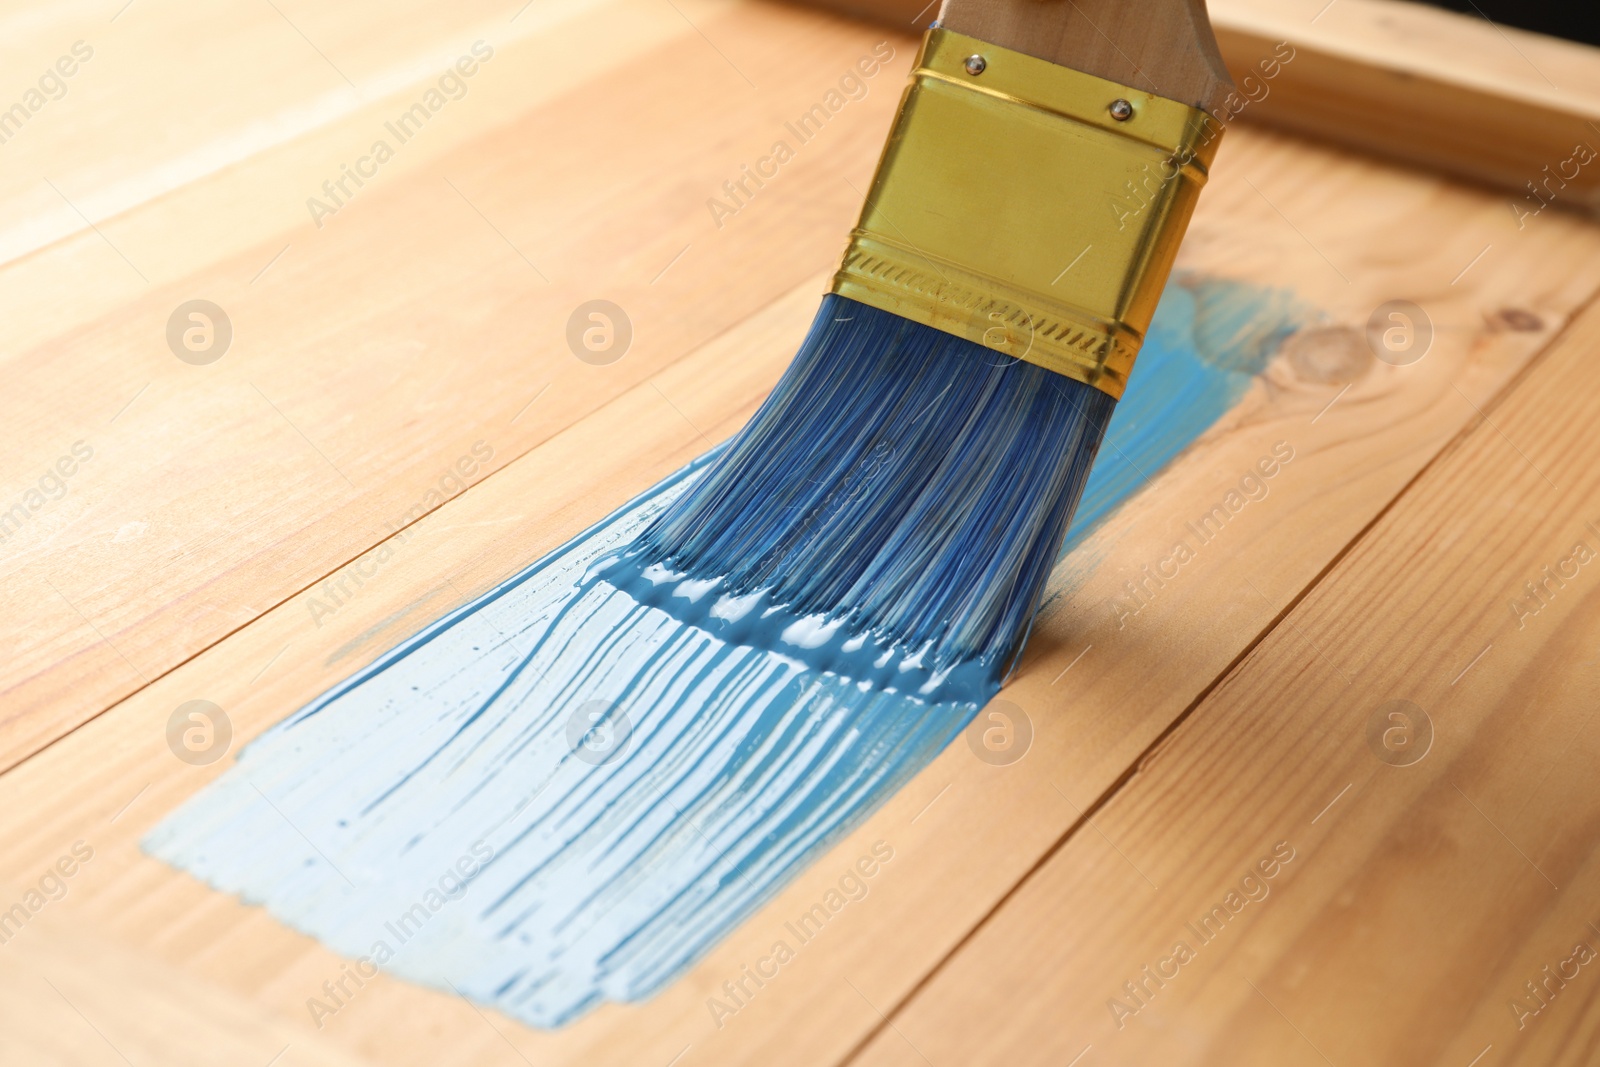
(1429, 87)
(69, 998)
(471, 542)
(126, 103)
(241, 190)
(965, 831)
(428, 316)
(1443, 870)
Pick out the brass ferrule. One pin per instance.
(1014, 208)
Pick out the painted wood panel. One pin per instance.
(243, 516)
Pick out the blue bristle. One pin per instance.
(911, 483)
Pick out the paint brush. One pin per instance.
(893, 509)
(610, 789)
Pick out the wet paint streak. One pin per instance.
(1209, 339)
(450, 814)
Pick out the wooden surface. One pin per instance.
(1491, 103)
(1425, 889)
(1173, 747)
(374, 352)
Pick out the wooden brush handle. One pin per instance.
(1161, 46)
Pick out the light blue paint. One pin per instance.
(430, 812)
(1208, 341)
(605, 880)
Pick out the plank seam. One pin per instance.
(1152, 750)
(619, 398)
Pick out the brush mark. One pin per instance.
(607, 879)
(355, 643)
(1209, 339)
(738, 765)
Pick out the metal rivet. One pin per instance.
(976, 65)
(1121, 110)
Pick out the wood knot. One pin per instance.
(1328, 355)
(1517, 320)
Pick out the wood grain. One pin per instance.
(1163, 46)
(1433, 88)
(251, 514)
(90, 1001)
(965, 831)
(188, 931)
(1432, 878)
(371, 354)
(169, 95)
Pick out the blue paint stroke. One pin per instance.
(1209, 339)
(448, 813)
